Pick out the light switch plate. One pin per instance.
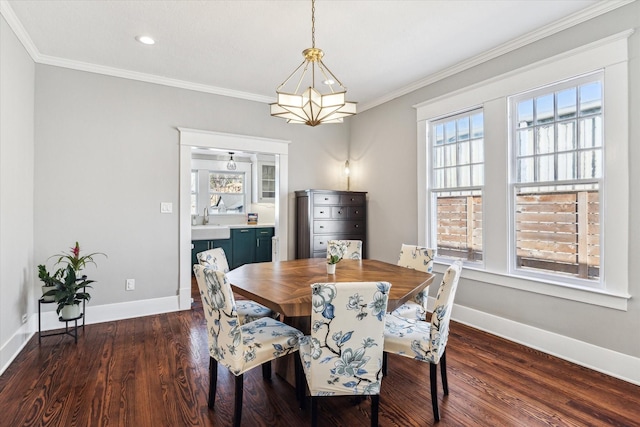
(166, 207)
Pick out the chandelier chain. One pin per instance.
(313, 23)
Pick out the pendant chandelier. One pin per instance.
(310, 106)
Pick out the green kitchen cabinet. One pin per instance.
(263, 244)
(244, 246)
(198, 246)
(250, 245)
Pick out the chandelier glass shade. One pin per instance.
(312, 106)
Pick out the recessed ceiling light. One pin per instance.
(145, 40)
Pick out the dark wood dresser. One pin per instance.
(323, 215)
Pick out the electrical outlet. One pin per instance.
(25, 318)
(130, 284)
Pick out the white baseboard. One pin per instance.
(111, 312)
(94, 314)
(14, 345)
(613, 363)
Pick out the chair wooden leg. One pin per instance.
(213, 380)
(237, 410)
(384, 363)
(375, 404)
(433, 373)
(266, 371)
(300, 382)
(443, 372)
(314, 411)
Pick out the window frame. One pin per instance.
(435, 190)
(609, 54)
(205, 165)
(515, 184)
(244, 194)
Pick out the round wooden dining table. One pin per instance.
(285, 286)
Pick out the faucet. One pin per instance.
(205, 220)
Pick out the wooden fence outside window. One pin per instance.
(557, 232)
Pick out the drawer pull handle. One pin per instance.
(339, 212)
(321, 211)
(326, 198)
(357, 226)
(357, 212)
(244, 231)
(322, 226)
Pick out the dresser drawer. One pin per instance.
(320, 243)
(321, 212)
(326, 199)
(322, 227)
(356, 212)
(356, 199)
(339, 212)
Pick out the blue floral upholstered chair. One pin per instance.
(248, 310)
(345, 249)
(343, 354)
(238, 347)
(426, 341)
(417, 258)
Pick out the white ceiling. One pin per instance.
(378, 49)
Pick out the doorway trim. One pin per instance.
(228, 142)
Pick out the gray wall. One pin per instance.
(384, 140)
(17, 267)
(107, 154)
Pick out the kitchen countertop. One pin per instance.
(259, 225)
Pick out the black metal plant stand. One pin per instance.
(71, 332)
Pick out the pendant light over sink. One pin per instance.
(311, 106)
(231, 164)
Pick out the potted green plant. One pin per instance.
(335, 252)
(69, 293)
(50, 282)
(75, 260)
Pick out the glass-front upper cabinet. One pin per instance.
(266, 182)
(264, 179)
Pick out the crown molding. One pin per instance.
(151, 78)
(598, 9)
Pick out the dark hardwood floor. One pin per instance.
(153, 371)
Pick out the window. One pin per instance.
(227, 192)
(555, 164)
(457, 170)
(557, 142)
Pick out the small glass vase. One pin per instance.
(331, 268)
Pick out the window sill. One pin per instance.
(599, 297)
